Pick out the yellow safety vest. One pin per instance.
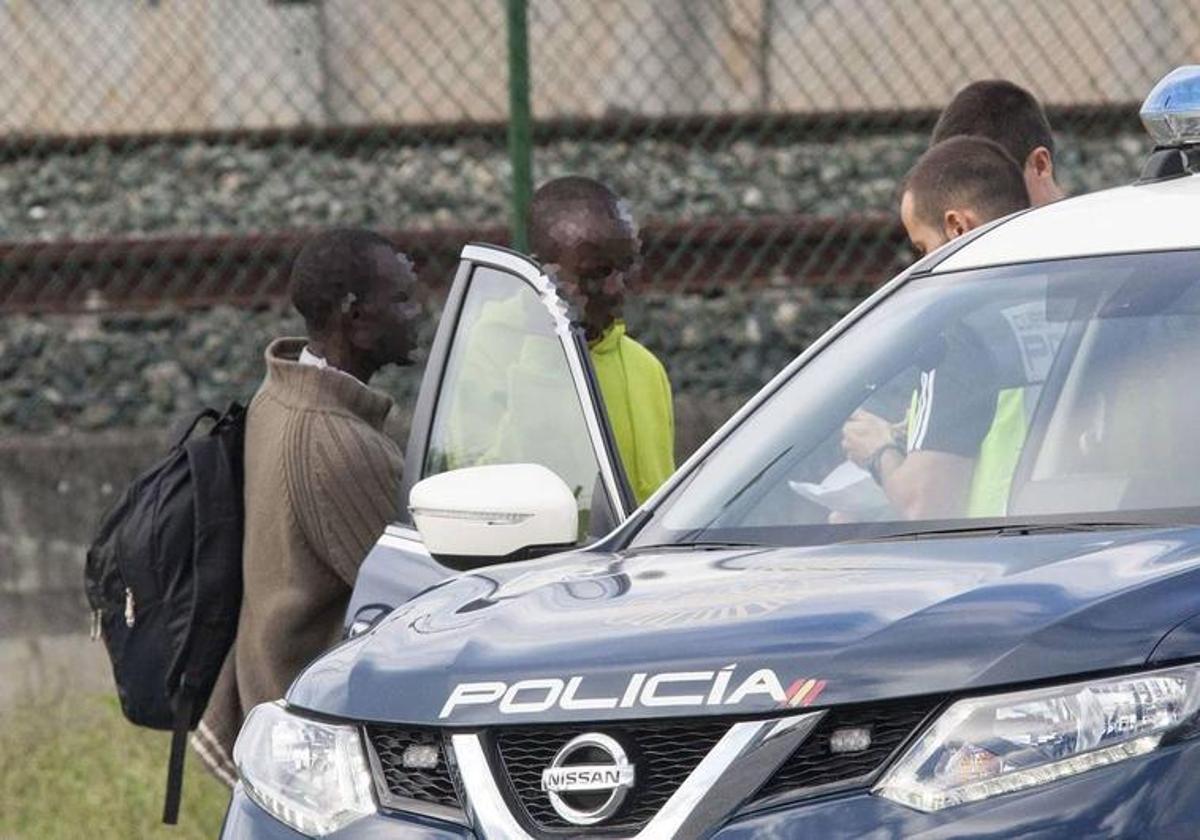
(999, 452)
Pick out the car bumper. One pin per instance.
(1150, 797)
(245, 820)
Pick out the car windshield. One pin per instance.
(1050, 392)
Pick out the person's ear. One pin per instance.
(1039, 177)
(358, 328)
(1040, 163)
(957, 222)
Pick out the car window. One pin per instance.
(507, 394)
(1054, 389)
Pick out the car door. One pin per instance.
(508, 380)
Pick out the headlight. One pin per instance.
(308, 774)
(987, 746)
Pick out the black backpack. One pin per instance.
(164, 581)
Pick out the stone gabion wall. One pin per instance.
(213, 188)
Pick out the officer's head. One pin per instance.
(355, 291)
(584, 233)
(1010, 115)
(956, 186)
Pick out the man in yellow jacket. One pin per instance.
(585, 235)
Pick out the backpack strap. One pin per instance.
(183, 722)
(204, 639)
(206, 414)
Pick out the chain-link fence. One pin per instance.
(158, 153)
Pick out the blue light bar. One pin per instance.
(1171, 113)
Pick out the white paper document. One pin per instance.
(848, 489)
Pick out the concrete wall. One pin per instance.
(135, 65)
(125, 65)
(53, 492)
(896, 54)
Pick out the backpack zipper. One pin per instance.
(130, 615)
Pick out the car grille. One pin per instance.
(432, 787)
(813, 768)
(664, 753)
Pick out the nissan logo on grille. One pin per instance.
(588, 779)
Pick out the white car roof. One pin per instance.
(1160, 216)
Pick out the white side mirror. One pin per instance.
(485, 514)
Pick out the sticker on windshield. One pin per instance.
(1037, 337)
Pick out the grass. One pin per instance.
(76, 770)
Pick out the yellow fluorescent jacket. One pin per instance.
(637, 399)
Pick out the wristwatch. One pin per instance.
(875, 462)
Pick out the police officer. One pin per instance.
(1010, 115)
(956, 452)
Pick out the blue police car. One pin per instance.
(767, 647)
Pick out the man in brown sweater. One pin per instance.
(322, 479)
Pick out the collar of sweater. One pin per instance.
(609, 340)
(308, 357)
(305, 386)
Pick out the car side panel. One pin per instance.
(397, 568)
(1182, 642)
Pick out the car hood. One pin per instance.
(592, 636)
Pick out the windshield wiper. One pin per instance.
(703, 545)
(1014, 529)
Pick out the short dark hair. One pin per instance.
(564, 201)
(998, 110)
(330, 267)
(966, 173)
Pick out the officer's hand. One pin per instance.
(863, 435)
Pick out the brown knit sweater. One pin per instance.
(322, 482)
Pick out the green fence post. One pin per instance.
(520, 133)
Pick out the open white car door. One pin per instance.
(508, 381)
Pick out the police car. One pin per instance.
(767, 648)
